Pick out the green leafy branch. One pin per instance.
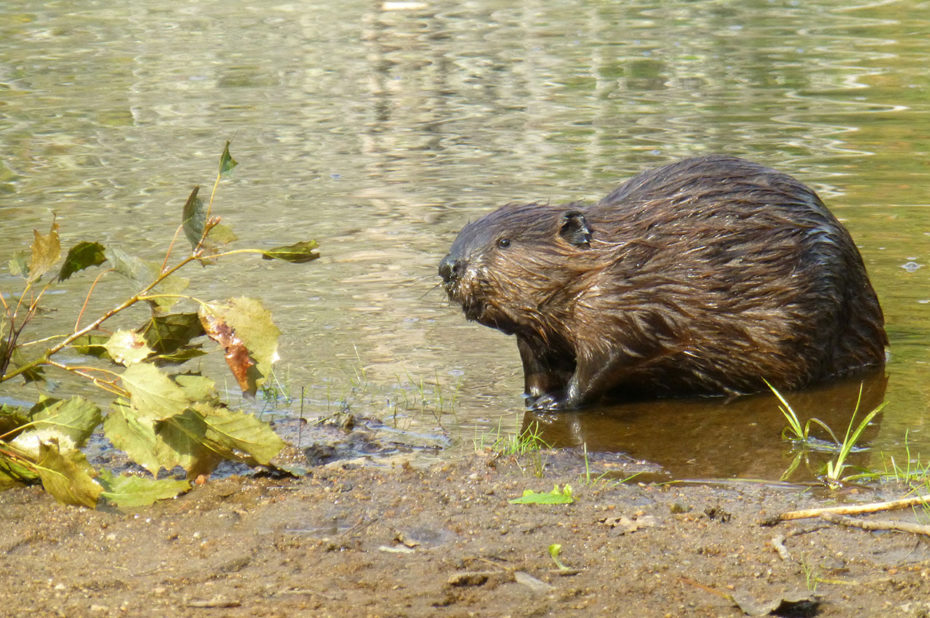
(161, 418)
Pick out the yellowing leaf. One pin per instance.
(135, 436)
(67, 475)
(19, 264)
(185, 435)
(197, 388)
(220, 234)
(127, 347)
(171, 287)
(178, 357)
(91, 345)
(245, 330)
(130, 491)
(76, 418)
(12, 472)
(238, 430)
(154, 395)
(12, 417)
(46, 250)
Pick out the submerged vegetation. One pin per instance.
(161, 418)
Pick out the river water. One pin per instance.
(380, 128)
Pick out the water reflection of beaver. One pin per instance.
(702, 277)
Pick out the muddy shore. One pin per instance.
(401, 539)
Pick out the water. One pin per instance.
(381, 128)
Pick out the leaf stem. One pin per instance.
(83, 371)
(174, 239)
(77, 322)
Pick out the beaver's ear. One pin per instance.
(575, 229)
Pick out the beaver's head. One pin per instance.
(510, 268)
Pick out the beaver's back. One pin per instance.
(733, 269)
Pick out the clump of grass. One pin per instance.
(836, 467)
(528, 442)
(914, 472)
(799, 434)
(811, 574)
(275, 391)
(507, 444)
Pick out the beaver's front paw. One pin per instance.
(547, 402)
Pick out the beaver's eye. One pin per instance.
(503, 243)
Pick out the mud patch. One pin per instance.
(421, 540)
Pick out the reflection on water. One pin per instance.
(715, 437)
(381, 132)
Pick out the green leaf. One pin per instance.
(67, 476)
(176, 358)
(143, 274)
(171, 286)
(153, 395)
(13, 473)
(75, 418)
(131, 267)
(35, 374)
(46, 251)
(198, 388)
(42, 403)
(556, 496)
(170, 332)
(226, 161)
(82, 255)
(220, 234)
(185, 435)
(245, 330)
(130, 491)
(134, 436)
(19, 264)
(11, 418)
(555, 550)
(127, 347)
(193, 218)
(238, 430)
(91, 345)
(298, 253)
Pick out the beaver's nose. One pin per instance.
(450, 269)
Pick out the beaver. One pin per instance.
(709, 276)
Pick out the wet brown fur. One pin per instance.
(701, 277)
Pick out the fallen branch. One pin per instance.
(873, 507)
(880, 524)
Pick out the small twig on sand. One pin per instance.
(778, 543)
(873, 507)
(878, 524)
